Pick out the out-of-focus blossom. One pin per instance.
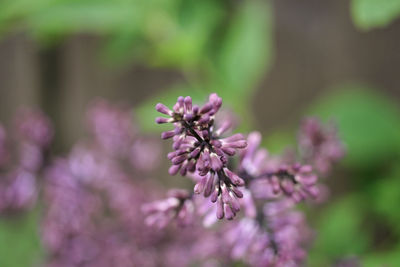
(278, 238)
(115, 132)
(22, 159)
(296, 181)
(34, 127)
(177, 206)
(18, 191)
(3, 146)
(111, 127)
(268, 176)
(320, 145)
(93, 212)
(145, 154)
(93, 216)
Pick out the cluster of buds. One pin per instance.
(270, 232)
(199, 148)
(275, 176)
(275, 238)
(295, 181)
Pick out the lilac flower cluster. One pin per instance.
(270, 232)
(274, 239)
(93, 203)
(93, 197)
(22, 156)
(199, 147)
(293, 180)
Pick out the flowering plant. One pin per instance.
(92, 196)
(270, 232)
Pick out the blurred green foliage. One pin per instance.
(368, 14)
(19, 240)
(219, 46)
(339, 232)
(368, 121)
(236, 61)
(363, 220)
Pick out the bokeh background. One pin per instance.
(273, 62)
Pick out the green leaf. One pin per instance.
(19, 240)
(368, 122)
(339, 232)
(246, 52)
(278, 141)
(368, 14)
(386, 197)
(387, 258)
(181, 40)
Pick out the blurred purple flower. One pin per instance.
(275, 239)
(34, 127)
(320, 145)
(111, 126)
(18, 191)
(145, 154)
(22, 159)
(177, 206)
(3, 147)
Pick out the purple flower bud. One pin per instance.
(188, 116)
(216, 163)
(196, 109)
(188, 104)
(161, 120)
(173, 170)
(214, 195)
(229, 213)
(223, 128)
(234, 202)
(167, 134)
(233, 138)
(216, 143)
(209, 186)
(199, 187)
(205, 119)
(236, 180)
(224, 193)
(183, 169)
(236, 144)
(229, 150)
(206, 108)
(220, 208)
(215, 100)
(237, 192)
(179, 159)
(191, 166)
(171, 155)
(195, 152)
(163, 109)
(181, 101)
